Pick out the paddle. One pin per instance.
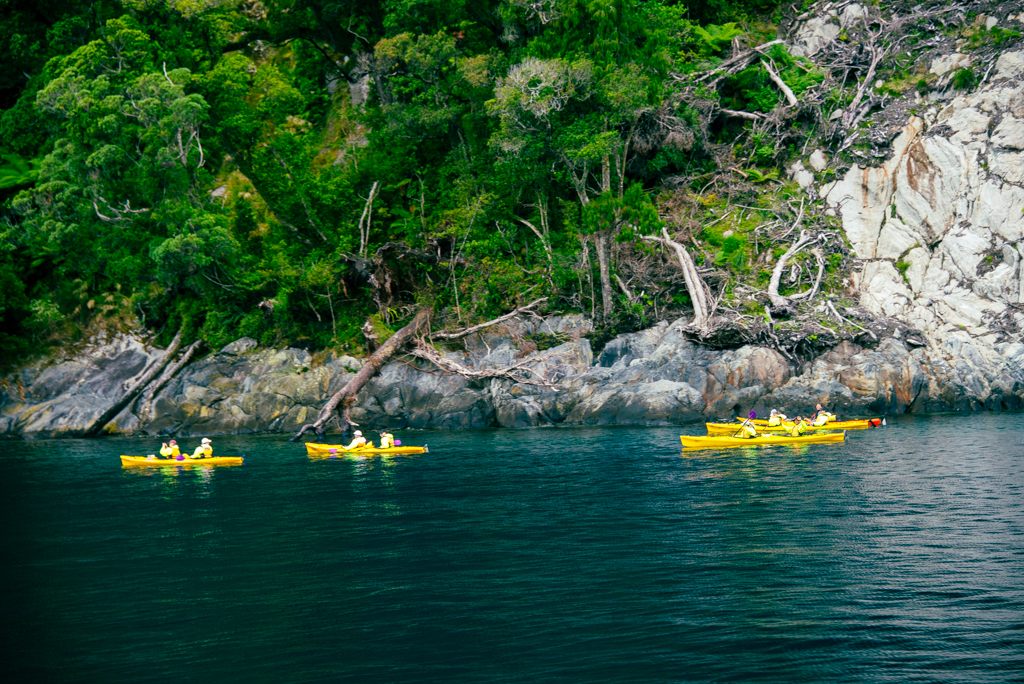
(745, 423)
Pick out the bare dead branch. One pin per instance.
(839, 317)
(750, 116)
(777, 80)
(519, 373)
(777, 300)
(458, 334)
(700, 295)
(365, 219)
(133, 390)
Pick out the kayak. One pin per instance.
(732, 428)
(314, 449)
(154, 461)
(855, 424)
(722, 441)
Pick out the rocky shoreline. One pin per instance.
(652, 377)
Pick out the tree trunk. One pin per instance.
(779, 301)
(146, 403)
(132, 391)
(603, 267)
(344, 398)
(698, 290)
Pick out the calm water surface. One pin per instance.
(584, 555)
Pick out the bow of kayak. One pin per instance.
(185, 461)
(723, 441)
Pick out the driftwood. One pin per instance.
(133, 390)
(344, 398)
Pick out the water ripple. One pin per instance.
(547, 555)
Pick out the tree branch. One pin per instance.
(700, 295)
(777, 300)
(458, 334)
(774, 75)
(519, 373)
(146, 402)
(133, 390)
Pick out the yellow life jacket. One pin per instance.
(748, 431)
(203, 451)
(170, 451)
(776, 420)
(387, 440)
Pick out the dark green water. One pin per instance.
(598, 555)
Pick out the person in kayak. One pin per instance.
(798, 428)
(747, 429)
(204, 450)
(169, 449)
(387, 440)
(776, 418)
(357, 441)
(821, 416)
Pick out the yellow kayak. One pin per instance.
(855, 424)
(722, 441)
(732, 428)
(314, 449)
(186, 461)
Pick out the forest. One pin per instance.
(312, 173)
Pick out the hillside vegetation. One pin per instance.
(310, 173)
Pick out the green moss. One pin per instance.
(964, 79)
(902, 266)
(978, 36)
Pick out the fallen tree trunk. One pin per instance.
(146, 402)
(343, 399)
(133, 390)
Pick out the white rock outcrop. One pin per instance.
(939, 227)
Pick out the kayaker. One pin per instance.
(799, 427)
(776, 418)
(747, 429)
(170, 449)
(204, 450)
(357, 441)
(821, 416)
(387, 440)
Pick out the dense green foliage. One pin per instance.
(286, 168)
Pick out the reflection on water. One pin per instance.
(535, 555)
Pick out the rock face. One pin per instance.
(653, 377)
(939, 230)
(69, 394)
